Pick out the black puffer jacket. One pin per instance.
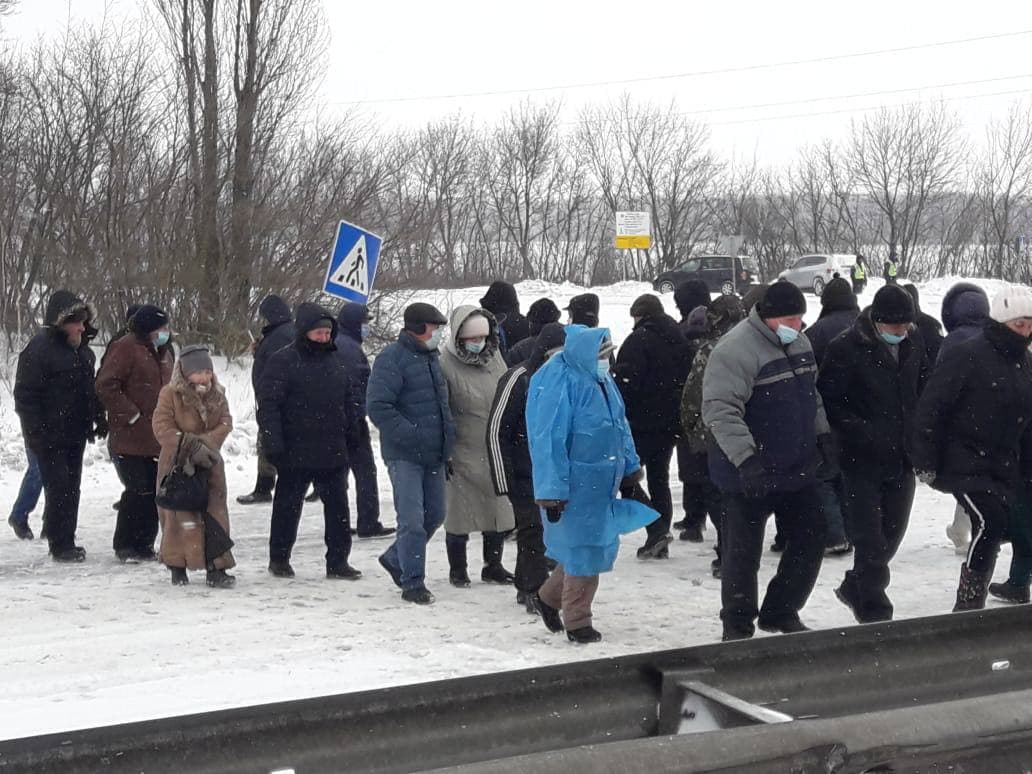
(931, 329)
(276, 335)
(974, 419)
(965, 310)
(870, 397)
(307, 407)
(54, 392)
(501, 301)
(651, 369)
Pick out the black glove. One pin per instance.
(829, 468)
(632, 478)
(753, 476)
(553, 509)
(637, 493)
(100, 429)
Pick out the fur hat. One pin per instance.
(647, 305)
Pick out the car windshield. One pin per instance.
(692, 265)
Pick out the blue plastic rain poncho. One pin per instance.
(581, 449)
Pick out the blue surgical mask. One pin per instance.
(602, 369)
(162, 338)
(366, 331)
(891, 338)
(435, 339)
(787, 335)
(475, 348)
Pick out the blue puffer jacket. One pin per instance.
(407, 400)
(581, 449)
(349, 346)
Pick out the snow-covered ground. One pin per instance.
(103, 642)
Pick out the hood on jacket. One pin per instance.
(458, 317)
(552, 336)
(697, 323)
(274, 310)
(964, 304)
(915, 296)
(724, 313)
(64, 304)
(581, 351)
(308, 316)
(350, 319)
(541, 313)
(838, 297)
(665, 326)
(501, 298)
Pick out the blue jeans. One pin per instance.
(28, 494)
(420, 506)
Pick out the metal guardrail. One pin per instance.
(814, 678)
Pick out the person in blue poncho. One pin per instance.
(582, 456)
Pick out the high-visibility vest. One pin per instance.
(858, 272)
(892, 269)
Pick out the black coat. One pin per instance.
(501, 301)
(651, 370)
(277, 335)
(870, 398)
(931, 334)
(521, 352)
(349, 344)
(974, 419)
(307, 406)
(54, 393)
(827, 327)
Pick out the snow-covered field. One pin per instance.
(103, 642)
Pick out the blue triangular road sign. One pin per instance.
(356, 253)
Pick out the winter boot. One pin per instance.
(262, 492)
(787, 625)
(21, 530)
(493, 572)
(342, 571)
(281, 569)
(692, 534)
(584, 635)
(179, 576)
(455, 545)
(971, 590)
(219, 579)
(1010, 592)
(526, 600)
(73, 554)
(549, 615)
(657, 547)
(418, 596)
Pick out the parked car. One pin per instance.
(715, 270)
(813, 272)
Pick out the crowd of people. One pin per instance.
(495, 424)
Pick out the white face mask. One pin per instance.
(435, 339)
(475, 347)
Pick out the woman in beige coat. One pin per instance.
(194, 407)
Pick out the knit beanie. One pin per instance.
(838, 295)
(584, 310)
(1011, 303)
(782, 299)
(195, 358)
(148, 318)
(892, 305)
(476, 326)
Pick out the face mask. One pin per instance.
(435, 339)
(787, 335)
(366, 331)
(202, 389)
(891, 338)
(162, 338)
(474, 348)
(602, 369)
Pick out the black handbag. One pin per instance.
(180, 492)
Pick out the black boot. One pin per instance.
(262, 492)
(549, 615)
(1010, 592)
(584, 635)
(971, 590)
(179, 576)
(493, 572)
(219, 579)
(455, 545)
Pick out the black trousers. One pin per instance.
(699, 495)
(989, 516)
(531, 568)
(745, 519)
(877, 513)
(61, 471)
(331, 484)
(367, 491)
(136, 527)
(655, 453)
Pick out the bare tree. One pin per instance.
(1004, 182)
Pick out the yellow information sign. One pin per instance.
(633, 231)
(633, 242)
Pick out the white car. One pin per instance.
(813, 272)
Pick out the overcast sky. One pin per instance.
(392, 50)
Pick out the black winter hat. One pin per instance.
(691, 294)
(892, 305)
(647, 305)
(541, 313)
(420, 314)
(782, 299)
(148, 318)
(130, 311)
(274, 310)
(584, 310)
(837, 296)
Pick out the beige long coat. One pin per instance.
(181, 410)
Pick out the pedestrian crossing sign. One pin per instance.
(356, 253)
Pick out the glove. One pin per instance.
(829, 469)
(100, 430)
(205, 457)
(631, 479)
(553, 509)
(637, 493)
(753, 476)
(926, 476)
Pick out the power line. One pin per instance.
(694, 74)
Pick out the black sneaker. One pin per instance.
(418, 596)
(395, 574)
(495, 573)
(71, 555)
(549, 615)
(254, 498)
(459, 579)
(584, 635)
(692, 534)
(179, 576)
(219, 579)
(343, 572)
(656, 548)
(1010, 592)
(380, 532)
(281, 569)
(21, 531)
(784, 626)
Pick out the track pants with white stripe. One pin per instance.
(988, 513)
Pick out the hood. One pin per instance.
(458, 317)
(552, 336)
(838, 297)
(350, 319)
(308, 314)
(964, 304)
(689, 295)
(501, 298)
(582, 347)
(915, 296)
(697, 323)
(274, 310)
(665, 327)
(541, 313)
(62, 305)
(724, 313)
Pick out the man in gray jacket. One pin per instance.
(761, 404)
